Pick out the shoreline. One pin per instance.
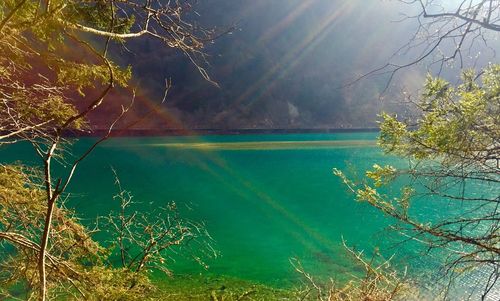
(221, 287)
(209, 132)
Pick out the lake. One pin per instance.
(263, 198)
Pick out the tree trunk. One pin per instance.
(43, 248)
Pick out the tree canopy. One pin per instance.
(452, 149)
(57, 68)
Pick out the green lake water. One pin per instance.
(264, 198)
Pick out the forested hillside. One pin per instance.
(282, 65)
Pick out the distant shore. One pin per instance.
(195, 132)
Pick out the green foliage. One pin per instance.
(455, 123)
(100, 14)
(392, 132)
(53, 109)
(368, 192)
(452, 148)
(34, 42)
(79, 266)
(381, 175)
(16, 194)
(22, 214)
(50, 49)
(84, 76)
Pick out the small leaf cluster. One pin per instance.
(455, 124)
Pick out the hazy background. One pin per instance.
(284, 66)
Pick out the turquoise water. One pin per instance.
(263, 198)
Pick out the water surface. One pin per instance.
(263, 198)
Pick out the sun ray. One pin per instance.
(293, 56)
